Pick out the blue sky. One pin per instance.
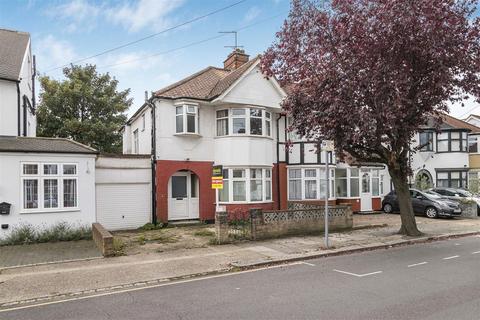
(69, 30)
(65, 31)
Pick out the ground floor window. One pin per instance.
(309, 183)
(246, 185)
(452, 179)
(349, 182)
(49, 186)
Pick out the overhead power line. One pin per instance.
(192, 43)
(150, 36)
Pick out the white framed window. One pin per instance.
(135, 141)
(239, 121)
(243, 121)
(354, 182)
(222, 122)
(310, 183)
(186, 119)
(47, 186)
(341, 181)
(143, 122)
(375, 182)
(246, 185)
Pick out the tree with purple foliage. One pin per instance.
(368, 73)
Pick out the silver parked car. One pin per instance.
(457, 195)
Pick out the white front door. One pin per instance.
(366, 190)
(183, 196)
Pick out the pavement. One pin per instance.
(22, 255)
(438, 280)
(50, 282)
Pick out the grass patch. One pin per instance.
(118, 247)
(204, 233)
(62, 231)
(151, 226)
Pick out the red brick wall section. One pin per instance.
(241, 211)
(355, 203)
(377, 204)
(203, 169)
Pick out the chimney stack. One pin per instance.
(235, 59)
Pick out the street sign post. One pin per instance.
(327, 146)
(217, 183)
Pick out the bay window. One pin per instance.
(375, 182)
(240, 121)
(473, 144)
(49, 186)
(309, 183)
(186, 119)
(246, 185)
(452, 179)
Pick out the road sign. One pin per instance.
(327, 145)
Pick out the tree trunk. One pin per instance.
(409, 225)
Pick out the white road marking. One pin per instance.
(475, 252)
(452, 257)
(308, 264)
(417, 264)
(357, 275)
(149, 287)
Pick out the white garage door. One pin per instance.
(123, 206)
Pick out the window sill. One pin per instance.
(52, 210)
(244, 202)
(244, 136)
(186, 134)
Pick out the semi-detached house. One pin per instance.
(232, 116)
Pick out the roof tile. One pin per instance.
(12, 50)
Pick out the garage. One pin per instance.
(123, 191)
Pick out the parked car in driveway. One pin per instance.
(457, 195)
(423, 203)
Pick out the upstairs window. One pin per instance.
(426, 141)
(143, 122)
(452, 141)
(135, 141)
(186, 119)
(473, 144)
(240, 121)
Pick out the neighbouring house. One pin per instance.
(474, 153)
(43, 181)
(232, 116)
(17, 94)
(443, 158)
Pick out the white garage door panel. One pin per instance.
(123, 206)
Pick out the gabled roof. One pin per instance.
(13, 45)
(459, 124)
(206, 84)
(43, 145)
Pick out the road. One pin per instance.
(439, 280)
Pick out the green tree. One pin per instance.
(85, 107)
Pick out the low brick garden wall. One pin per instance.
(267, 224)
(103, 239)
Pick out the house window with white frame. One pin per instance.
(143, 122)
(244, 121)
(186, 119)
(47, 186)
(135, 141)
(246, 185)
(309, 183)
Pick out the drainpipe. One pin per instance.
(25, 115)
(34, 74)
(278, 161)
(19, 107)
(153, 157)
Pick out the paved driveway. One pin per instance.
(47, 252)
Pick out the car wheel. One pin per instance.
(387, 208)
(431, 212)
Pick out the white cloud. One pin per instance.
(143, 14)
(52, 52)
(79, 15)
(251, 14)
